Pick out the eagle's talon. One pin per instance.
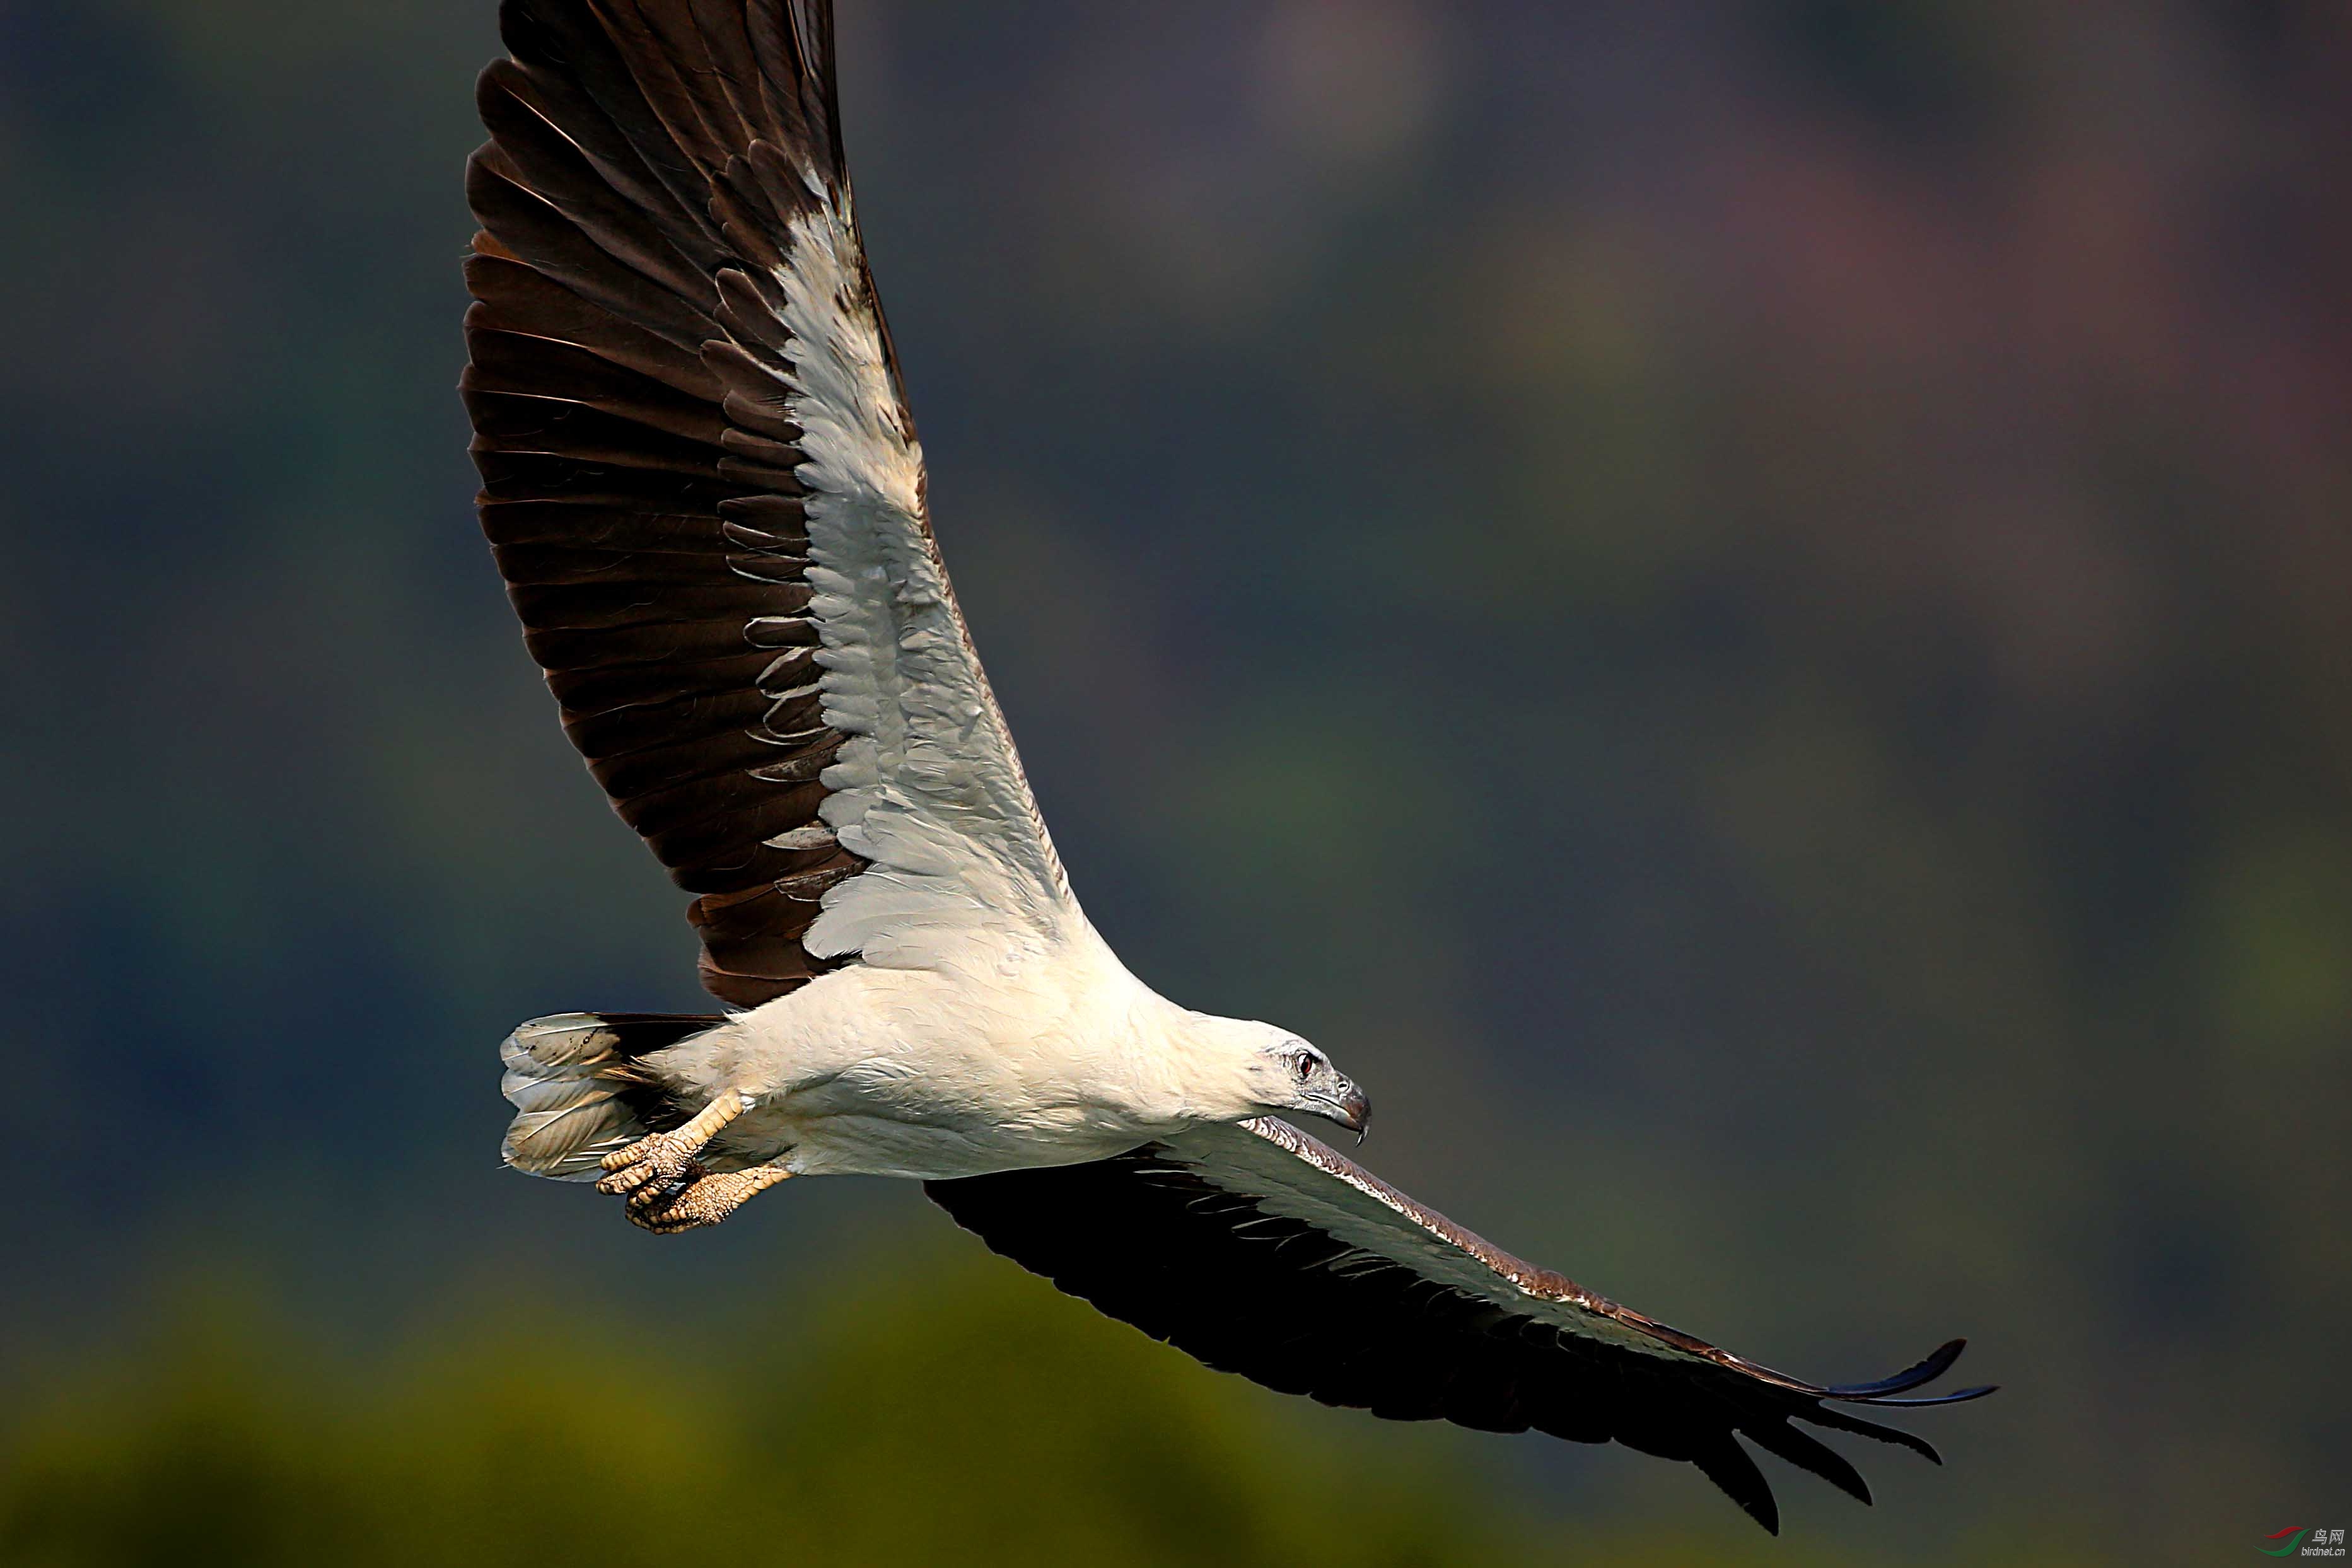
(667, 1208)
(663, 1222)
(661, 1191)
(659, 1158)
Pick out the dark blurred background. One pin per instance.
(1741, 606)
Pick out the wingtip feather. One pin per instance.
(1728, 1466)
(1934, 1365)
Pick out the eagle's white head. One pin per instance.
(1238, 1068)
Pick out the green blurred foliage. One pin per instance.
(928, 1413)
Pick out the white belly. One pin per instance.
(852, 1143)
(931, 1075)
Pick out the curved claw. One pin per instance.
(660, 1191)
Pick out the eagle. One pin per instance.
(703, 488)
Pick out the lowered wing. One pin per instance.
(1261, 1252)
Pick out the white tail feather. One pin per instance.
(568, 1077)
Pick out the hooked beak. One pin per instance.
(1350, 1107)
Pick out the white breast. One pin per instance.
(1042, 1058)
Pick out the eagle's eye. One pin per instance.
(1303, 1065)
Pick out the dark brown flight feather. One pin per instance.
(646, 158)
(1378, 1304)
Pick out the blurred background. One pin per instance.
(1740, 605)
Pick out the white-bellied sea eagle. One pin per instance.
(703, 488)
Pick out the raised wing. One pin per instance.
(702, 485)
(1261, 1252)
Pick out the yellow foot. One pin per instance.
(664, 1158)
(697, 1197)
